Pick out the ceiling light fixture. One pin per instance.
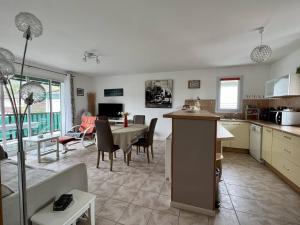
(262, 52)
(91, 55)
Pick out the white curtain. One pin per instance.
(66, 105)
(2, 110)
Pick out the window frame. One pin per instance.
(240, 95)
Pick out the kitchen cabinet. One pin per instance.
(286, 155)
(267, 137)
(269, 88)
(240, 131)
(281, 86)
(288, 85)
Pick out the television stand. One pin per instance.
(116, 120)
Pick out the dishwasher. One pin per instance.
(255, 141)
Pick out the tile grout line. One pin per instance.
(232, 205)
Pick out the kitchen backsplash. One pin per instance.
(291, 102)
(210, 104)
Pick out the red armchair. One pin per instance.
(86, 130)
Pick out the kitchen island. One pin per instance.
(196, 139)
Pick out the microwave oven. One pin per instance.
(287, 118)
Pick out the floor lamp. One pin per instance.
(30, 92)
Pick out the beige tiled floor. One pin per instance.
(139, 195)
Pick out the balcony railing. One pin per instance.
(40, 124)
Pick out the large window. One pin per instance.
(229, 94)
(43, 117)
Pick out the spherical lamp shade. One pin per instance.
(6, 54)
(7, 69)
(32, 92)
(261, 53)
(25, 21)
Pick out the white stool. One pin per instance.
(82, 202)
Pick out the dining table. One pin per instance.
(124, 137)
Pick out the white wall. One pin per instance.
(134, 88)
(286, 65)
(87, 83)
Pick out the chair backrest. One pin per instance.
(139, 119)
(105, 141)
(88, 122)
(150, 133)
(102, 118)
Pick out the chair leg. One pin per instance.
(98, 159)
(111, 158)
(147, 150)
(137, 150)
(102, 156)
(115, 154)
(124, 157)
(152, 151)
(144, 149)
(128, 158)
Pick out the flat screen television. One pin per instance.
(110, 110)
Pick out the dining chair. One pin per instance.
(105, 118)
(105, 142)
(139, 119)
(147, 140)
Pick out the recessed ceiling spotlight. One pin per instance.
(90, 56)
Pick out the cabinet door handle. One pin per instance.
(287, 151)
(289, 138)
(269, 131)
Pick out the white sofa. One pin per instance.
(43, 192)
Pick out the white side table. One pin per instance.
(82, 202)
(39, 140)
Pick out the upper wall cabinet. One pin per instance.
(269, 88)
(288, 85)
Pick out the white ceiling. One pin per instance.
(140, 36)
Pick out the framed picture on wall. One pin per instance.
(80, 92)
(158, 93)
(194, 84)
(113, 92)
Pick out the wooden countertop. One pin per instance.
(222, 133)
(294, 130)
(287, 129)
(183, 114)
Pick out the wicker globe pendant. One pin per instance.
(7, 69)
(262, 52)
(6, 54)
(32, 92)
(29, 24)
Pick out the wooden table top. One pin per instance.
(185, 114)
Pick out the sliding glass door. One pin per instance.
(8, 125)
(40, 113)
(42, 118)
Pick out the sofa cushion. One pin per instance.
(9, 174)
